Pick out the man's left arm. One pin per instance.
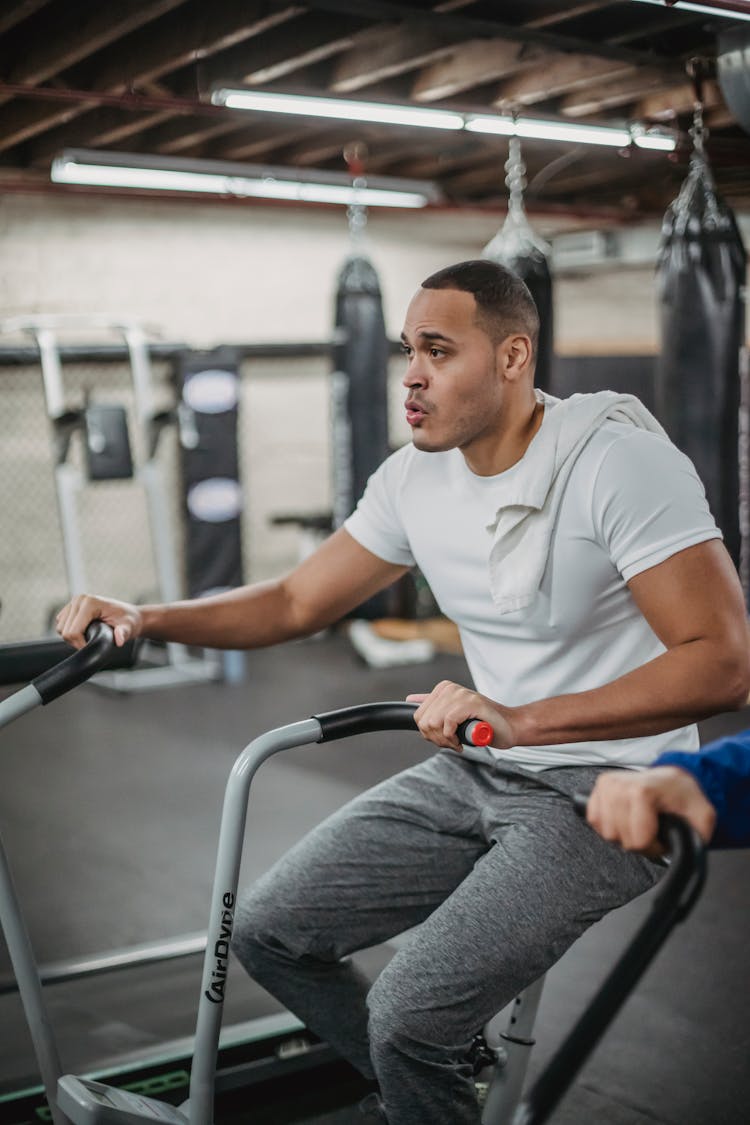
(694, 604)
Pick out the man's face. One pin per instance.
(454, 390)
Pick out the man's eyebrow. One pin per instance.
(427, 335)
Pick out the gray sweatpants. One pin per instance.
(492, 866)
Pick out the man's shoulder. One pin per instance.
(624, 442)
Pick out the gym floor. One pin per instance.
(110, 809)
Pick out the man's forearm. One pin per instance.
(687, 683)
(248, 617)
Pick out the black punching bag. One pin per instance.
(517, 246)
(359, 391)
(359, 385)
(700, 284)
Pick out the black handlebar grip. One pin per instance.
(369, 717)
(79, 666)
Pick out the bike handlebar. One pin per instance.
(367, 718)
(81, 665)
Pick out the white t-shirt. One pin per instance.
(631, 500)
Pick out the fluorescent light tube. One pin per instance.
(154, 179)
(704, 9)
(548, 130)
(72, 170)
(660, 142)
(339, 108)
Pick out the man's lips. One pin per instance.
(414, 413)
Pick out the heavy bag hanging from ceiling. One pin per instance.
(360, 360)
(521, 249)
(700, 280)
(359, 384)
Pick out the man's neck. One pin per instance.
(493, 455)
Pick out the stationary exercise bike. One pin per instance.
(82, 1101)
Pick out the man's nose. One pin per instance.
(415, 375)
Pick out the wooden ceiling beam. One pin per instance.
(667, 105)
(568, 12)
(24, 120)
(206, 32)
(19, 13)
(77, 39)
(472, 64)
(145, 57)
(480, 27)
(282, 51)
(557, 75)
(621, 91)
(385, 51)
(256, 143)
(85, 132)
(181, 137)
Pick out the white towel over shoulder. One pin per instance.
(522, 527)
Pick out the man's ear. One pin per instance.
(515, 356)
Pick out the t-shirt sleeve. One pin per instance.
(375, 522)
(648, 502)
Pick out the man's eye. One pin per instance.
(434, 352)
(405, 349)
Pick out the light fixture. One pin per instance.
(548, 130)
(729, 13)
(338, 108)
(653, 139)
(154, 173)
(260, 101)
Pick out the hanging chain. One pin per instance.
(355, 155)
(356, 213)
(515, 175)
(699, 133)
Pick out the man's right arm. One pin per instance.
(339, 576)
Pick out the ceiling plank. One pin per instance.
(23, 120)
(261, 140)
(82, 133)
(77, 40)
(621, 91)
(137, 63)
(569, 12)
(179, 137)
(182, 41)
(678, 100)
(479, 27)
(283, 50)
(384, 51)
(472, 64)
(559, 75)
(19, 13)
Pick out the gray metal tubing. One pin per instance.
(223, 900)
(507, 1081)
(152, 478)
(51, 369)
(19, 944)
(146, 953)
(18, 704)
(24, 967)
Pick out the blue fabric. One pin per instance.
(722, 769)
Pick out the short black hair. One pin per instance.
(504, 303)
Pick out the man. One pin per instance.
(600, 616)
(710, 789)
